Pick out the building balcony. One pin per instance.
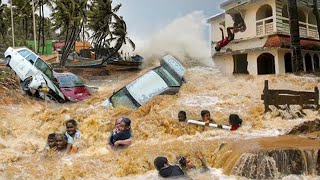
(265, 27)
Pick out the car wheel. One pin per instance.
(25, 86)
(8, 61)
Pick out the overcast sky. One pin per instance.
(146, 17)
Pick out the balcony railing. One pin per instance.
(265, 27)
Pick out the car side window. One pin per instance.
(24, 52)
(31, 58)
(42, 66)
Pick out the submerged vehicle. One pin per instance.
(34, 73)
(72, 86)
(165, 79)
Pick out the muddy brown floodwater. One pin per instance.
(258, 150)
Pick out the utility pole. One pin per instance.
(34, 29)
(12, 28)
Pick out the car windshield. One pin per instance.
(42, 66)
(123, 98)
(24, 52)
(168, 77)
(66, 81)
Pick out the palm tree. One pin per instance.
(295, 37)
(316, 13)
(120, 34)
(69, 16)
(100, 18)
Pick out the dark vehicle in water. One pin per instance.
(72, 87)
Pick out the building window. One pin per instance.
(264, 24)
(265, 63)
(308, 62)
(240, 63)
(263, 12)
(288, 63)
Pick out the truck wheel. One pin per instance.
(25, 86)
(8, 61)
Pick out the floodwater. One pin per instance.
(25, 124)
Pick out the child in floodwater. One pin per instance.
(182, 116)
(61, 142)
(73, 135)
(124, 135)
(206, 117)
(51, 147)
(234, 121)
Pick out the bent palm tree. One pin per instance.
(100, 19)
(295, 36)
(69, 16)
(120, 34)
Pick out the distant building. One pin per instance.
(264, 47)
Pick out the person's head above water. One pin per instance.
(160, 162)
(71, 126)
(52, 140)
(125, 124)
(217, 48)
(234, 119)
(117, 123)
(61, 141)
(182, 116)
(205, 115)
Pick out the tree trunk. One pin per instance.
(42, 28)
(295, 36)
(316, 13)
(39, 30)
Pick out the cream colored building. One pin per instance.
(264, 47)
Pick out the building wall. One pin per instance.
(225, 63)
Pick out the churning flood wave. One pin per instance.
(26, 123)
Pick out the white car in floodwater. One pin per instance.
(165, 79)
(33, 72)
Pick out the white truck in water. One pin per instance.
(33, 72)
(165, 79)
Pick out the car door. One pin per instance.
(19, 64)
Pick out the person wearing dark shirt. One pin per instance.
(124, 136)
(166, 170)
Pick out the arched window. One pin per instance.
(288, 62)
(263, 12)
(312, 19)
(265, 63)
(308, 62)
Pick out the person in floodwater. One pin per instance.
(51, 147)
(123, 135)
(206, 116)
(182, 116)
(234, 121)
(165, 169)
(61, 143)
(73, 135)
(188, 166)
